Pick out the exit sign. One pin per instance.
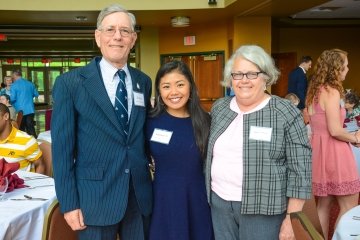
(189, 40)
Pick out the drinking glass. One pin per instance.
(4, 182)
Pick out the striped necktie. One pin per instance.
(121, 103)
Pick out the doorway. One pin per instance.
(44, 79)
(285, 62)
(207, 69)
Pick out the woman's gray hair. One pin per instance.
(114, 8)
(257, 56)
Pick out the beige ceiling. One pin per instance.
(23, 20)
(39, 27)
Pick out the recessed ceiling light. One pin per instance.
(81, 18)
(180, 21)
(324, 9)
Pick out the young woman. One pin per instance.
(177, 133)
(335, 173)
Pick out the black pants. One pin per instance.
(28, 124)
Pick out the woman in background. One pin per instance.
(352, 105)
(335, 173)
(177, 133)
(7, 81)
(5, 99)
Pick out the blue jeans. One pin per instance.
(230, 224)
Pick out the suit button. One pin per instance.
(127, 171)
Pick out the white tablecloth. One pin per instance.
(348, 228)
(21, 220)
(352, 127)
(44, 136)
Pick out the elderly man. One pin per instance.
(18, 146)
(101, 170)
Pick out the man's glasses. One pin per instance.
(249, 75)
(110, 31)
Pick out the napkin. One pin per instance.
(7, 170)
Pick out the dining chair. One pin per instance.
(45, 148)
(303, 228)
(311, 213)
(55, 226)
(19, 118)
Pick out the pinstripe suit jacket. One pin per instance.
(85, 128)
(275, 170)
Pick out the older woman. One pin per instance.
(258, 166)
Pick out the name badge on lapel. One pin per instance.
(139, 99)
(161, 136)
(260, 133)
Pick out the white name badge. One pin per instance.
(139, 99)
(260, 133)
(161, 136)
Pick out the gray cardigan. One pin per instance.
(275, 170)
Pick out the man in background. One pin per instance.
(18, 146)
(297, 82)
(22, 93)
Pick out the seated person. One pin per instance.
(18, 146)
(5, 99)
(352, 105)
(293, 98)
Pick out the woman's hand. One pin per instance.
(357, 139)
(286, 231)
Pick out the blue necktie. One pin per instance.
(121, 103)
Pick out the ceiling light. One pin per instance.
(325, 9)
(180, 21)
(81, 18)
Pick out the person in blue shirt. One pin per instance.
(22, 93)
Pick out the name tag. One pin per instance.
(139, 99)
(260, 133)
(161, 136)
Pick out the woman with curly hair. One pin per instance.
(334, 168)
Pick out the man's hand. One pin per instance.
(75, 219)
(286, 231)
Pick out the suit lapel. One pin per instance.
(94, 85)
(137, 86)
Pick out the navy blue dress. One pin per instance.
(180, 211)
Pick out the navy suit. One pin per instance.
(297, 84)
(85, 128)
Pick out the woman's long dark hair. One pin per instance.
(199, 118)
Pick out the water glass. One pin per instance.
(4, 183)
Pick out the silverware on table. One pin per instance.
(35, 178)
(27, 199)
(35, 198)
(47, 185)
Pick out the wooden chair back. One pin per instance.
(303, 228)
(19, 118)
(311, 213)
(45, 148)
(55, 226)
